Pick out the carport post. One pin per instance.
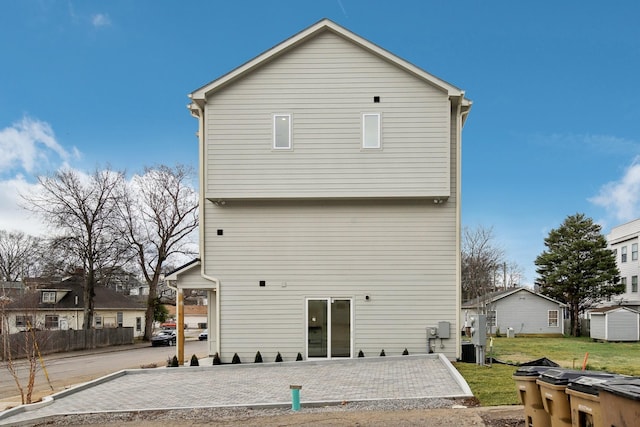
(295, 397)
(180, 326)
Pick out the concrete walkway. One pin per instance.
(323, 382)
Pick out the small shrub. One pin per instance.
(258, 358)
(194, 361)
(278, 357)
(382, 353)
(236, 359)
(174, 362)
(216, 359)
(299, 357)
(360, 354)
(497, 332)
(405, 352)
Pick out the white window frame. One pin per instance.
(623, 254)
(634, 252)
(49, 323)
(275, 134)
(48, 297)
(634, 284)
(378, 144)
(557, 319)
(24, 321)
(98, 322)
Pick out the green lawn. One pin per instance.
(494, 385)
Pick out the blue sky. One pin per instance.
(554, 130)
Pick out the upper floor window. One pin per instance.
(371, 130)
(634, 283)
(623, 254)
(623, 281)
(282, 131)
(634, 252)
(48, 297)
(552, 318)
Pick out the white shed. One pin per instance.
(615, 323)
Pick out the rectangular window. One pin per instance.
(371, 130)
(48, 297)
(623, 254)
(553, 318)
(634, 283)
(634, 252)
(623, 281)
(138, 324)
(98, 320)
(51, 321)
(24, 321)
(119, 319)
(282, 131)
(491, 318)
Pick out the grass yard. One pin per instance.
(494, 385)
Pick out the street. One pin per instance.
(66, 369)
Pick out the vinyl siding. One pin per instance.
(326, 84)
(400, 253)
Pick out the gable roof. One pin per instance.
(104, 299)
(604, 310)
(498, 295)
(200, 95)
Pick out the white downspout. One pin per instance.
(201, 172)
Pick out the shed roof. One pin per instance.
(498, 295)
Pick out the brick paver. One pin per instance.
(402, 377)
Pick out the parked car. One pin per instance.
(203, 335)
(171, 325)
(166, 337)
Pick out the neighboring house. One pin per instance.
(195, 316)
(615, 324)
(60, 306)
(330, 202)
(623, 240)
(521, 309)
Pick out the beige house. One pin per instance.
(60, 306)
(330, 203)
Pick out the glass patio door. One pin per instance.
(328, 327)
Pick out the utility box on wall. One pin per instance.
(444, 330)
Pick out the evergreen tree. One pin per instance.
(577, 268)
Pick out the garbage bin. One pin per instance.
(510, 333)
(585, 401)
(620, 401)
(529, 393)
(553, 385)
(468, 352)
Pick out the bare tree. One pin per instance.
(160, 212)
(18, 255)
(81, 209)
(481, 259)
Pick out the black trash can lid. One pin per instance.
(628, 387)
(558, 376)
(530, 371)
(588, 384)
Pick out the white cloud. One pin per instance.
(100, 20)
(28, 143)
(621, 198)
(14, 216)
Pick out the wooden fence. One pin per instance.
(62, 341)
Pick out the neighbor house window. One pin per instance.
(371, 130)
(51, 321)
(138, 324)
(634, 252)
(553, 318)
(98, 320)
(634, 283)
(24, 321)
(282, 131)
(119, 319)
(491, 318)
(623, 254)
(48, 297)
(623, 281)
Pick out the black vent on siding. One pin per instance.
(376, 99)
(220, 232)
